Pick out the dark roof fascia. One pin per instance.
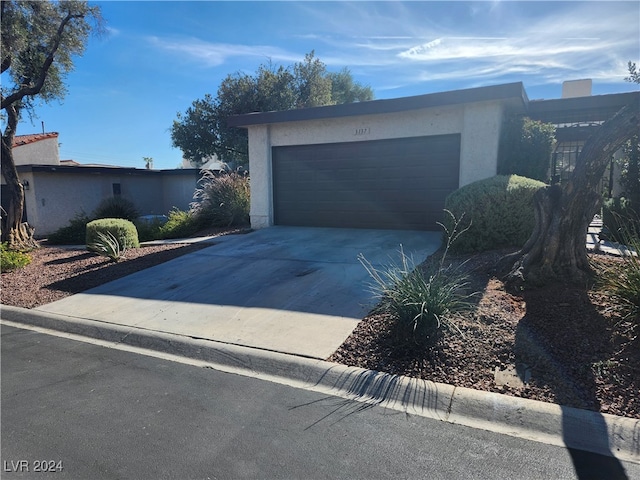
(538, 108)
(77, 169)
(374, 107)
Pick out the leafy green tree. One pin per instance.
(345, 90)
(201, 131)
(193, 130)
(312, 82)
(38, 42)
(525, 148)
(634, 73)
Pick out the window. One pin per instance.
(564, 159)
(115, 187)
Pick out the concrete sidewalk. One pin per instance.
(287, 289)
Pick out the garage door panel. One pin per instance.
(399, 183)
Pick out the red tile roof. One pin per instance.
(72, 163)
(32, 138)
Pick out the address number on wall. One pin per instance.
(362, 131)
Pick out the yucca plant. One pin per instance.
(107, 245)
(421, 299)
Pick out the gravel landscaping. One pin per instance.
(569, 345)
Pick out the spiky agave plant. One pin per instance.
(107, 245)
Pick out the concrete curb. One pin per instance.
(533, 420)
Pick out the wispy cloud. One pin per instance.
(212, 54)
(590, 39)
(403, 43)
(114, 32)
(482, 49)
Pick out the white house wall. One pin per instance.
(480, 141)
(177, 191)
(42, 152)
(261, 210)
(55, 198)
(478, 124)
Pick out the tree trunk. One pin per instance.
(556, 250)
(14, 231)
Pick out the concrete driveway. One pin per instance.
(294, 290)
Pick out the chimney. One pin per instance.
(576, 88)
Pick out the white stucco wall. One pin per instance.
(54, 198)
(177, 191)
(261, 209)
(478, 123)
(480, 141)
(42, 152)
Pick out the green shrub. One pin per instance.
(180, 224)
(498, 212)
(12, 259)
(422, 299)
(149, 229)
(72, 234)
(123, 230)
(107, 245)
(116, 207)
(525, 148)
(619, 220)
(222, 199)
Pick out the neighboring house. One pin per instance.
(390, 163)
(38, 148)
(56, 191)
(210, 163)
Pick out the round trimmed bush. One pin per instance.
(123, 230)
(499, 211)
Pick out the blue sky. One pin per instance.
(159, 56)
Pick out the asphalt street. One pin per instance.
(77, 410)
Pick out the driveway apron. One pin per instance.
(294, 290)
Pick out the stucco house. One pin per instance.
(391, 163)
(55, 190)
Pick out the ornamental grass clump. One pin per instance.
(422, 299)
(623, 281)
(222, 200)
